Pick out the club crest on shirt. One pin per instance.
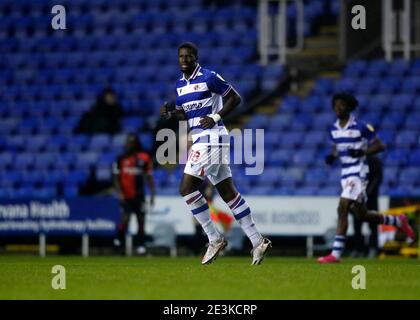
(370, 127)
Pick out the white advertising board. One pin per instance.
(274, 215)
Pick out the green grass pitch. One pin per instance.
(29, 277)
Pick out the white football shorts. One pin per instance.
(207, 160)
(354, 188)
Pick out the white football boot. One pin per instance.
(213, 250)
(259, 251)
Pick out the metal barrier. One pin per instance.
(400, 27)
(272, 33)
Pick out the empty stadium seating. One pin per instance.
(297, 136)
(50, 78)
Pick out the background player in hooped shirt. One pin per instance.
(204, 98)
(352, 141)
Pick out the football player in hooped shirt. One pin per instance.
(352, 141)
(204, 98)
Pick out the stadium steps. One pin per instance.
(304, 87)
(321, 42)
(319, 58)
(330, 74)
(331, 30)
(320, 53)
(269, 108)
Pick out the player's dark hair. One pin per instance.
(138, 145)
(191, 46)
(350, 101)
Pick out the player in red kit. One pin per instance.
(131, 170)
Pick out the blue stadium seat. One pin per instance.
(44, 192)
(147, 140)
(32, 177)
(356, 68)
(303, 157)
(315, 177)
(11, 177)
(270, 176)
(258, 121)
(373, 118)
(399, 67)
(377, 68)
(282, 191)
(407, 139)
(259, 190)
(411, 85)
(323, 86)
(392, 120)
(400, 191)
(70, 191)
(291, 139)
(347, 84)
(414, 158)
(312, 104)
(23, 161)
(279, 157)
(366, 86)
(79, 142)
(28, 126)
(106, 159)
(302, 122)
(6, 193)
(54, 177)
(76, 177)
(161, 176)
(168, 191)
(334, 176)
(6, 160)
(329, 191)
(279, 122)
(86, 159)
(36, 144)
(8, 126)
(65, 161)
(271, 77)
(323, 120)
(306, 191)
(290, 104)
(58, 142)
(271, 139)
(23, 192)
(397, 157)
(389, 85)
(401, 102)
(103, 173)
(99, 142)
(387, 137)
(409, 176)
(292, 175)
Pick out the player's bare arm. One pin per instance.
(230, 102)
(176, 114)
(375, 147)
(329, 159)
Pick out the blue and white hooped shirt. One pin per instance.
(199, 96)
(354, 135)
